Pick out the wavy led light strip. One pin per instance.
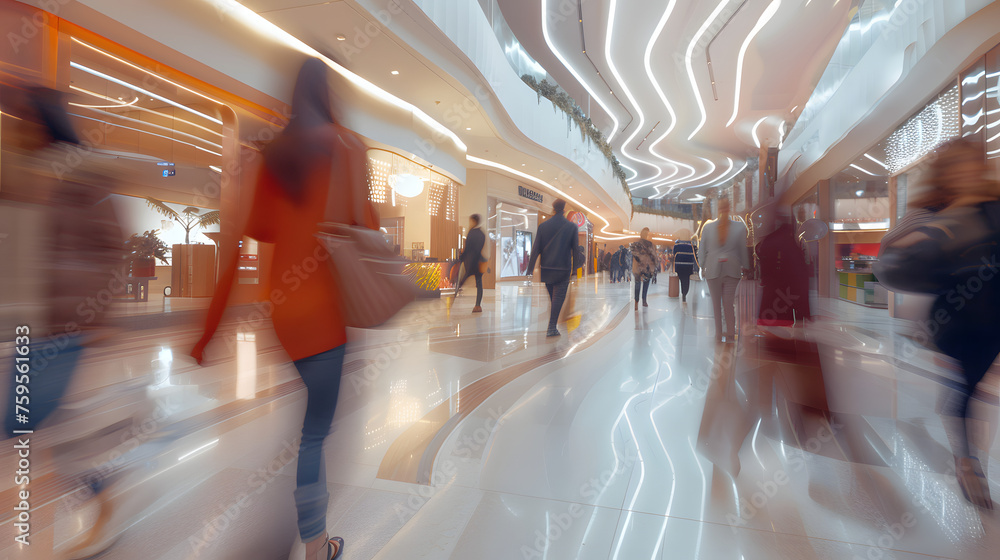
(562, 59)
(689, 56)
(730, 178)
(628, 93)
(756, 139)
(647, 60)
(726, 172)
(764, 19)
(232, 8)
(690, 178)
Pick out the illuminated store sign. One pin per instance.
(529, 194)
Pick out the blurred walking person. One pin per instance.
(784, 274)
(723, 255)
(644, 267)
(953, 254)
(615, 265)
(312, 173)
(83, 254)
(473, 255)
(684, 266)
(555, 245)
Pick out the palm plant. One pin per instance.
(189, 218)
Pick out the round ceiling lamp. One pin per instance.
(407, 185)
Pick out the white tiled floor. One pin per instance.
(643, 440)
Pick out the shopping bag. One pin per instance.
(370, 276)
(569, 315)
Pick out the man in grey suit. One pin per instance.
(556, 245)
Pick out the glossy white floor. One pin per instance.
(633, 436)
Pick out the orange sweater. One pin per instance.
(307, 311)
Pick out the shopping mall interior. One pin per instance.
(740, 348)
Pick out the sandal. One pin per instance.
(340, 547)
(973, 482)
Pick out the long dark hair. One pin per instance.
(50, 107)
(291, 156)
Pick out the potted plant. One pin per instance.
(189, 218)
(142, 250)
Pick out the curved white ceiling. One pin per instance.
(648, 86)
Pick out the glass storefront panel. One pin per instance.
(517, 226)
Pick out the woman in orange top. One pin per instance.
(290, 202)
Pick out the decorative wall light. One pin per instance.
(406, 184)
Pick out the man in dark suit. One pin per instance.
(471, 257)
(555, 244)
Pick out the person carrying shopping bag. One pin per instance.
(312, 173)
(555, 245)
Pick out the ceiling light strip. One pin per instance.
(141, 69)
(147, 110)
(764, 19)
(731, 177)
(147, 132)
(552, 47)
(647, 62)
(112, 79)
(877, 161)
(234, 9)
(756, 139)
(689, 56)
(863, 170)
(628, 93)
(159, 127)
(118, 106)
(675, 183)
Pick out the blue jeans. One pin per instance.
(321, 374)
(51, 367)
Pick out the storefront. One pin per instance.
(180, 151)
(512, 229)
(861, 202)
(514, 211)
(418, 207)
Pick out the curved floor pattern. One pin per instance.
(472, 436)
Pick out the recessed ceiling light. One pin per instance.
(468, 128)
(395, 72)
(341, 38)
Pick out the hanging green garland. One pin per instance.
(568, 105)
